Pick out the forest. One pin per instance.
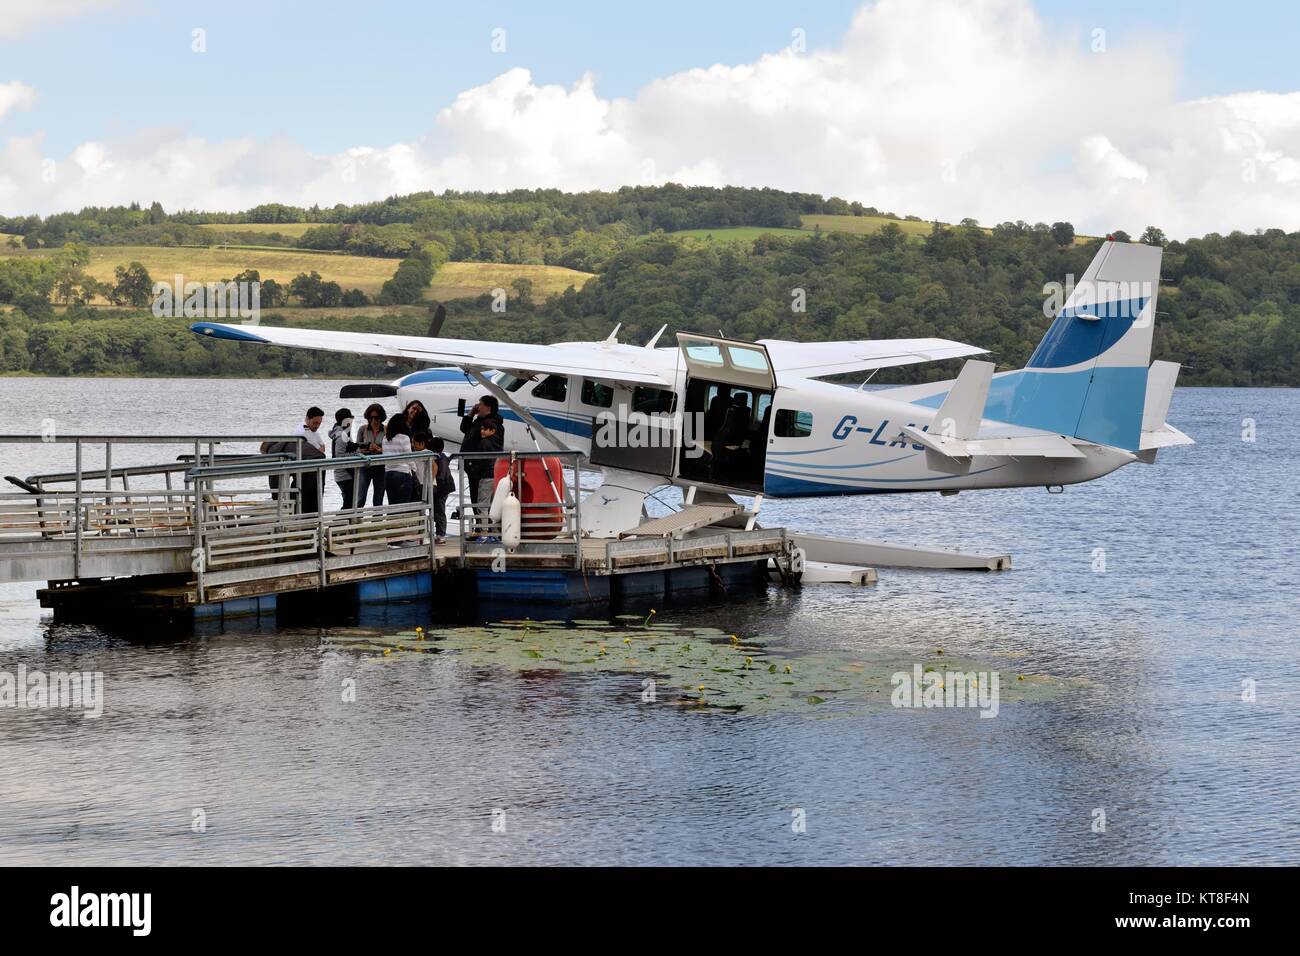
(1229, 307)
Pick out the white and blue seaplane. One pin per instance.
(722, 418)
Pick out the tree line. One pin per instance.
(1230, 311)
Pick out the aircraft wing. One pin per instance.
(591, 361)
(815, 359)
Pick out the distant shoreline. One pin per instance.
(354, 378)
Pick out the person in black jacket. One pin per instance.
(484, 432)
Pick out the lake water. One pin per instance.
(1146, 722)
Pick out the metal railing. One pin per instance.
(282, 539)
(550, 524)
(54, 514)
(241, 519)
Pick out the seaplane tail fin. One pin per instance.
(1088, 377)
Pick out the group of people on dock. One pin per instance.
(400, 482)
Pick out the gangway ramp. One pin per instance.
(689, 518)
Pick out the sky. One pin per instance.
(1107, 114)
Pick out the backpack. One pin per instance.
(445, 483)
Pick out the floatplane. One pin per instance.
(723, 418)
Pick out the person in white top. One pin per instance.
(310, 430)
(309, 493)
(398, 474)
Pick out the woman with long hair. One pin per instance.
(417, 417)
(370, 441)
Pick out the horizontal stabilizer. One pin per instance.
(1021, 446)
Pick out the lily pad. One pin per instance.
(743, 674)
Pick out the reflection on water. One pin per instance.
(309, 744)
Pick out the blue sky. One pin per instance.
(993, 109)
(329, 75)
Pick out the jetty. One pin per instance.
(216, 534)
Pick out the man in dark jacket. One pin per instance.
(484, 431)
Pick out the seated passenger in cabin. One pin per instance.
(727, 451)
(714, 417)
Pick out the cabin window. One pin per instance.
(652, 400)
(509, 382)
(553, 388)
(793, 424)
(704, 353)
(594, 393)
(749, 360)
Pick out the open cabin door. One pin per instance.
(726, 412)
(633, 427)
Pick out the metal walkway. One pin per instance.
(227, 536)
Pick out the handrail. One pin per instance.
(566, 528)
(133, 439)
(257, 469)
(131, 471)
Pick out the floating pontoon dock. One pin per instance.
(232, 540)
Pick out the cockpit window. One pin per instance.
(596, 394)
(553, 388)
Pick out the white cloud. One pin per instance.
(19, 17)
(15, 96)
(941, 108)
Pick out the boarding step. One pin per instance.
(688, 519)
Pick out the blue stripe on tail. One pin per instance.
(1072, 340)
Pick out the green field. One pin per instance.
(460, 280)
(857, 225)
(453, 280)
(736, 233)
(864, 225)
(294, 229)
(210, 264)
